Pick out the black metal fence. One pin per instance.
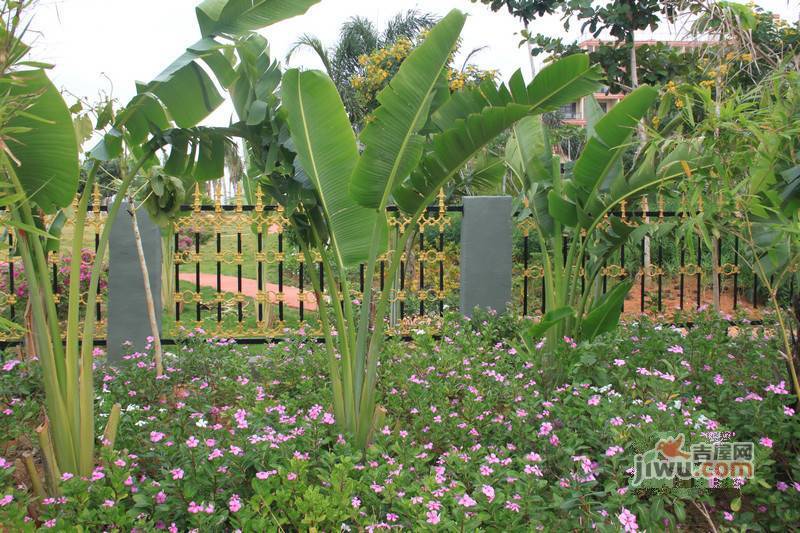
(235, 271)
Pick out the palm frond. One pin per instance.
(311, 41)
(471, 54)
(407, 24)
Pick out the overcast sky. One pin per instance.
(107, 45)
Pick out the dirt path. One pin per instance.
(250, 289)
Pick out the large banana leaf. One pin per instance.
(326, 147)
(565, 81)
(216, 17)
(599, 160)
(393, 146)
(611, 133)
(604, 316)
(42, 139)
(528, 152)
(451, 150)
(185, 89)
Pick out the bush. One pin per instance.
(242, 438)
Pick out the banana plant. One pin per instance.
(572, 212)
(39, 157)
(419, 137)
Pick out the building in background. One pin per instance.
(574, 113)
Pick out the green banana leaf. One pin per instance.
(44, 142)
(604, 315)
(538, 330)
(326, 148)
(217, 17)
(392, 144)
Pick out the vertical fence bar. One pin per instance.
(239, 303)
(736, 273)
(301, 282)
(321, 284)
(11, 306)
(197, 276)
(178, 300)
(402, 288)
(622, 274)
(260, 273)
(421, 272)
(718, 268)
(683, 272)
(642, 281)
(441, 271)
(97, 304)
(755, 291)
(525, 274)
(660, 275)
(699, 272)
(280, 275)
(219, 279)
(53, 258)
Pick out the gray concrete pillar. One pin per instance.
(127, 308)
(486, 253)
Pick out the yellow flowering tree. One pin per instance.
(379, 67)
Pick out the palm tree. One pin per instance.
(358, 36)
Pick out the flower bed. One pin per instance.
(242, 438)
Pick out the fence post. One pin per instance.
(486, 233)
(127, 309)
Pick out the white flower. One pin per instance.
(201, 423)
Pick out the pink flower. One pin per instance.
(614, 450)
(355, 502)
(234, 504)
(788, 411)
(433, 517)
(766, 442)
(511, 506)
(617, 421)
(10, 364)
(192, 442)
(466, 501)
(674, 349)
(628, 520)
(291, 476)
(728, 516)
(109, 503)
(177, 473)
(488, 491)
(5, 500)
(66, 476)
(156, 436)
(161, 497)
(266, 475)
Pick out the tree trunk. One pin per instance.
(530, 54)
(148, 293)
(642, 137)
